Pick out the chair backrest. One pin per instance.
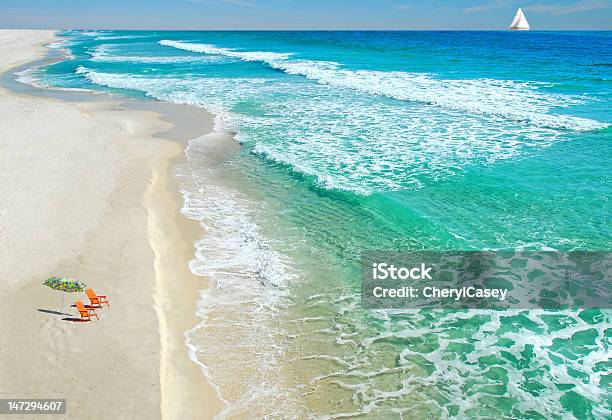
(80, 306)
(91, 294)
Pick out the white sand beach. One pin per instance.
(86, 192)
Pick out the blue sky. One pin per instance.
(303, 14)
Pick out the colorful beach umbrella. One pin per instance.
(65, 285)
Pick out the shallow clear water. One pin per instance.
(380, 140)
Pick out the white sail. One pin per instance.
(520, 21)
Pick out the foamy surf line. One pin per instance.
(517, 101)
(319, 160)
(144, 85)
(106, 53)
(246, 276)
(31, 76)
(108, 38)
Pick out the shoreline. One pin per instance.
(144, 192)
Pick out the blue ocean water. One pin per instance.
(380, 140)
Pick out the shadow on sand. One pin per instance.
(48, 311)
(70, 318)
(75, 320)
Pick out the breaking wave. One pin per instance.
(518, 101)
(105, 53)
(345, 142)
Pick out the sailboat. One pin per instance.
(520, 21)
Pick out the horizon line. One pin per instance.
(314, 29)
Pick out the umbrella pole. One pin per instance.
(62, 308)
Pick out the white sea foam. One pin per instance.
(31, 76)
(62, 45)
(113, 37)
(344, 139)
(90, 33)
(106, 53)
(518, 101)
(247, 280)
(58, 44)
(431, 360)
(211, 49)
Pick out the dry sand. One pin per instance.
(86, 192)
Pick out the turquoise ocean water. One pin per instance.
(353, 141)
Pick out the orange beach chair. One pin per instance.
(86, 313)
(96, 300)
